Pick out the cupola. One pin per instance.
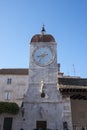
(43, 37)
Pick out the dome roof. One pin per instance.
(42, 38)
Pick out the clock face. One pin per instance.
(43, 56)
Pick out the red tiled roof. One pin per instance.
(14, 71)
(42, 38)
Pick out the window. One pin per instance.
(9, 80)
(7, 95)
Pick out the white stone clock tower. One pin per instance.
(42, 104)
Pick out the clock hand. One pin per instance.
(42, 56)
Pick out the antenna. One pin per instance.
(74, 72)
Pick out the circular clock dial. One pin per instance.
(43, 56)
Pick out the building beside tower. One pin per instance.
(47, 99)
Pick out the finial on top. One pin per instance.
(43, 30)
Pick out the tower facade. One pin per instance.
(42, 104)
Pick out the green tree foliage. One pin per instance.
(9, 107)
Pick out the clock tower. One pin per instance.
(42, 103)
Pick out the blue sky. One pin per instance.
(66, 20)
